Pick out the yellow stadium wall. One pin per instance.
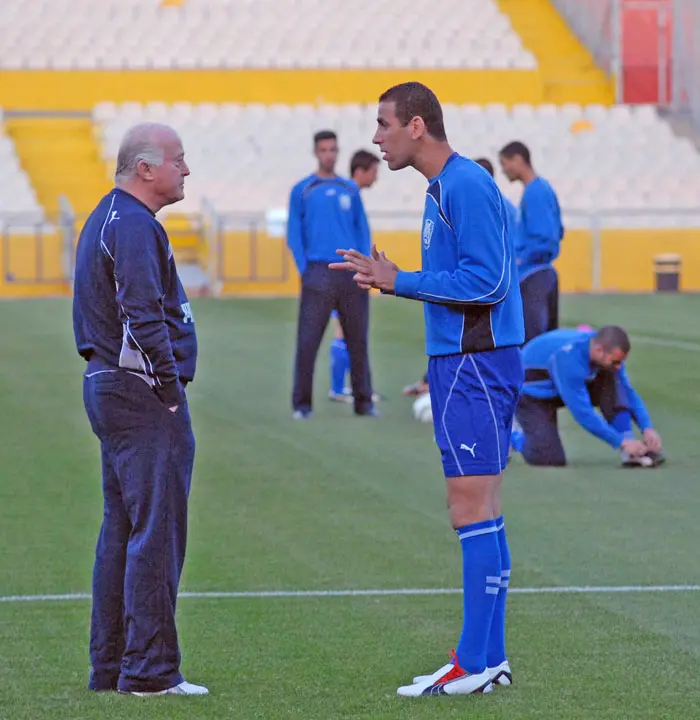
(36, 267)
(627, 258)
(82, 89)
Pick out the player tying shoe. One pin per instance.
(474, 327)
(582, 370)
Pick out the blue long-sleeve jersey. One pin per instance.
(564, 355)
(325, 214)
(130, 310)
(512, 215)
(469, 276)
(540, 230)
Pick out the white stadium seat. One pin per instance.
(231, 34)
(18, 201)
(245, 158)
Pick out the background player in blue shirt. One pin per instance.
(539, 234)
(326, 211)
(474, 329)
(134, 327)
(364, 166)
(582, 370)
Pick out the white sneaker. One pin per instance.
(631, 461)
(184, 688)
(500, 675)
(450, 679)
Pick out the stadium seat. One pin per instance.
(235, 34)
(18, 201)
(245, 158)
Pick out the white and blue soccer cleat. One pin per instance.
(500, 675)
(450, 679)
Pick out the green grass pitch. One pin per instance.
(354, 503)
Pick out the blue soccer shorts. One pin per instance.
(473, 398)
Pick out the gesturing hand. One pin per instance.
(371, 271)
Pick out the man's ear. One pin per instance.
(144, 170)
(417, 127)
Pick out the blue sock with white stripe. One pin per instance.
(340, 364)
(496, 650)
(481, 573)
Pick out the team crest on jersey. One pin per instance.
(187, 316)
(345, 201)
(428, 232)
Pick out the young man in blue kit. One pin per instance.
(364, 166)
(538, 237)
(474, 329)
(582, 370)
(326, 210)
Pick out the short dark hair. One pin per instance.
(413, 99)
(516, 148)
(362, 160)
(486, 164)
(324, 135)
(612, 337)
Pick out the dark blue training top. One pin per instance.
(540, 230)
(469, 280)
(325, 214)
(130, 310)
(564, 356)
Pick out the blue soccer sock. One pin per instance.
(622, 422)
(496, 650)
(517, 440)
(481, 572)
(340, 364)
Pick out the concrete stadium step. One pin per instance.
(569, 72)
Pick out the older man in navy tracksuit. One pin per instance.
(326, 213)
(134, 327)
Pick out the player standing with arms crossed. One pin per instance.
(474, 328)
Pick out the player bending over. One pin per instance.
(582, 370)
(474, 327)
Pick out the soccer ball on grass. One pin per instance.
(422, 410)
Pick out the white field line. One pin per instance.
(571, 590)
(563, 590)
(661, 342)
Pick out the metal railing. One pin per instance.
(248, 248)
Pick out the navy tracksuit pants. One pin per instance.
(540, 294)
(147, 459)
(324, 290)
(538, 418)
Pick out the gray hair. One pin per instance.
(142, 142)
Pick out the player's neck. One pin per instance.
(433, 159)
(140, 194)
(528, 176)
(325, 175)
